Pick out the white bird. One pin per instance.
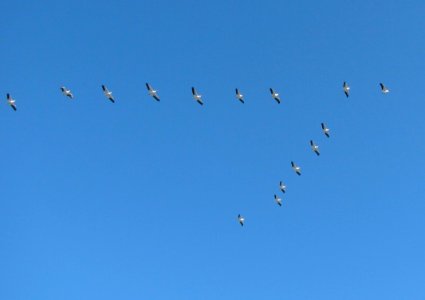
(108, 93)
(278, 200)
(325, 130)
(241, 219)
(275, 96)
(239, 96)
(384, 89)
(11, 101)
(314, 147)
(296, 168)
(152, 92)
(282, 187)
(197, 96)
(346, 89)
(67, 92)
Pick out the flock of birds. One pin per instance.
(198, 98)
(314, 147)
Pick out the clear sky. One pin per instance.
(139, 199)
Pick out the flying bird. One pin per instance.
(275, 96)
(314, 147)
(384, 89)
(278, 200)
(239, 96)
(282, 187)
(197, 96)
(11, 101)
(346, 89)
(241, 219)
(152, 92)
(108, 93)
(67, 92)
(325, 130)
(296, 168)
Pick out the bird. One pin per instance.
(108, 93)
(67, 92)
(282, 187)
(11, 101)
(325, 129)
(278, 200)
(152, 92)
(241, 219)
(239, 96)
(275, 96)
(296, 168)
(197, 96)
(384, 89)
(314, 147)
(346, 89)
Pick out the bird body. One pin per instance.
(314, 147)
(241, 219)
(325, 130)
(296, 168)
(346, 89)
(11, 101)
(278, 200)
(239, 96)
(197, 96)
(384, 89)
(275, 95)
(67, 92)
(282, 187)
(152, 92)
(108, 93)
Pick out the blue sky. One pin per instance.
(138, 199)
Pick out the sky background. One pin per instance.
(139, 199)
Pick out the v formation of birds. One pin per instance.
(239, 96)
